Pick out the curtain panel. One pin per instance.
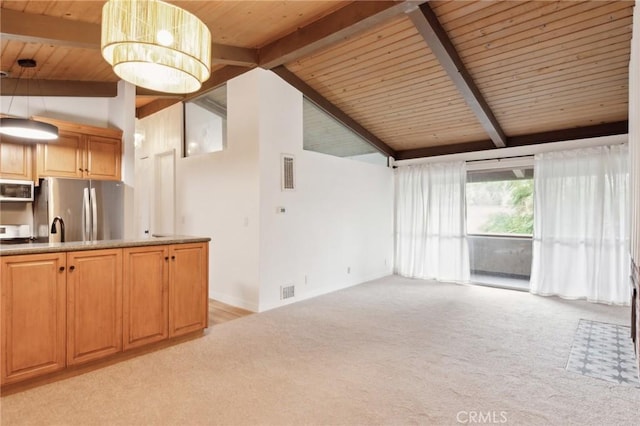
(581, 216)
(430, 231)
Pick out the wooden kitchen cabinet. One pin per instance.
(33, 315)
(64, 158)
(94, 304)
(16, 161)
(81, 151)
(145, 311)
(103, 156)
(165, 292)
(188, 288)
(63, 309)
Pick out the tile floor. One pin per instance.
(604, 351)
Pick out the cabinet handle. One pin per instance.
(166, 258)
(80, 169)
(71, 268)
(173, 258)
(61, 269)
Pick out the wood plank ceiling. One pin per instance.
(414, 78)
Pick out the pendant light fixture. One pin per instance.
(25, 128)
(156, 45)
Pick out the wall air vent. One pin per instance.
(288, 172)
(287, 292)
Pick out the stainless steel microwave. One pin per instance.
(16, 190)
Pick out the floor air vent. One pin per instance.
(287, 292)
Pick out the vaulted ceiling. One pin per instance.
(413, 78)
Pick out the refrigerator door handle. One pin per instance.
(85, 214)
(94, 215)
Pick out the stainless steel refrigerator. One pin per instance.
(89, 209)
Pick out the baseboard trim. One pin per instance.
(234, 301)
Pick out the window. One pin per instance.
(500, 202)
(205, 123)
(323, 133)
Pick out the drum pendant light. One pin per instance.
(156, 45)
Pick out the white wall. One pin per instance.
(337, 230)
(122, 112)
(217, 196)
(337, 227)
(91, 111)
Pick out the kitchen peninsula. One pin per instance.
(70, 304)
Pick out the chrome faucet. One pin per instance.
(54, 230)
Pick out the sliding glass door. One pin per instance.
(500, 225)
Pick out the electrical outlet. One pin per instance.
(348, 269)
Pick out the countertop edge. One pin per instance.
(41, 248)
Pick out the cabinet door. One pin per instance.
(103, 158)
(94, 304)
(145, 310)
(15, 161)
(62, 158)
(33, 315)
(188, 288)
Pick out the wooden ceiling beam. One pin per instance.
(233, 55)
(37, 87)
(427, 24)
(597, 130)
(29, 27)
(217, 79)
(434, 151)
(333, 110)
(352, 19)
(574, 133)
(155, 106)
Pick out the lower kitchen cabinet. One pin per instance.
(33, 315)
(63, 309)
(165, 292)
(94, 304)
(145, 313)
(188, 288)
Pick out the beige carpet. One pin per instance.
(392, 351)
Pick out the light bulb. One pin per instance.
(165, 38)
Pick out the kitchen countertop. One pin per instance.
(35, 248)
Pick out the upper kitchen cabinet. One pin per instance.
(81, 151)
(16, 161)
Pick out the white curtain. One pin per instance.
(580, 235)
(430, 222)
